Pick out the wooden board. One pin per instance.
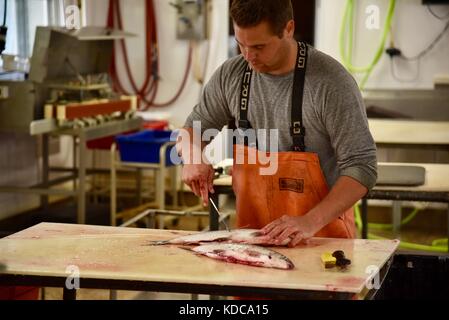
(435, 178)
(409, 132)
(99, 252)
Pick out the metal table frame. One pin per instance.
(193, 288)
(77, 173)
(401, 195)
(160, 169)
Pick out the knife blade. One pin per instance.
(220, 215)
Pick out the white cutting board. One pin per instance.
(100, 252)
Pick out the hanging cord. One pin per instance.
(398, 78)
(143, 90)
(208, 49)
(346, 49)
(398, 54)
(147, 93)
(150, 38)
(431, 46)
(183, 84)
(200, 73)
(435, 15)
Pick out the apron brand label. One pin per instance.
(295, 185)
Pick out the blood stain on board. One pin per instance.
(350, 281)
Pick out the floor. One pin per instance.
(428, 225)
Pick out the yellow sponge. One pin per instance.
(328, 260)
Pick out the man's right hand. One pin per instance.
(199, 177)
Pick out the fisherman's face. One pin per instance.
(265, 51)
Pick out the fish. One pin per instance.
(246, 254)
(244, 236)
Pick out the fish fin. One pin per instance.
(158, 243)
(186, 248)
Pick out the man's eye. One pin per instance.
(259, 47)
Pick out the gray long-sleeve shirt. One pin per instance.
(334, 114)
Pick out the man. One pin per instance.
(326, 155)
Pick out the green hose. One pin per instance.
(348, 22)
(439, 242)
(388, 226)
(384, 226)
(439, 245)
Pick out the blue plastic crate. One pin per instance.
(144, 146)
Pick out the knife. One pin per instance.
(220, 215)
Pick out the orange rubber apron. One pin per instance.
(297, 186)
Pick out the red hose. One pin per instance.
(183, 84)
(147, 93)
(140, 91)
(114, 7)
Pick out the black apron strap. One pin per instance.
(244, 98)
(245, 137)
(297, 129)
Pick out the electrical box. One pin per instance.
(191, 19)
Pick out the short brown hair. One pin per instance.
(249, 13)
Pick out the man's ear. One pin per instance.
(289, 30)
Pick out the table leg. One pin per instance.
(364, 218)
(113, 186)
(447, 227)
(45, 169)
(397, 217)
(160, 187)
(139, 185)
(69, 294)
(75, 160)
(81, 216)
(174, 186)
(160, 194)
(113, 295)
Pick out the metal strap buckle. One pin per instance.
(296, 127)
(244, 124)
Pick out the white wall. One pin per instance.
(414, 28)
(173, 52)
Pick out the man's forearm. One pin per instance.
(343, 195)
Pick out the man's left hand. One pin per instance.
(298, 229)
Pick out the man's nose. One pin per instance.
(248, 54)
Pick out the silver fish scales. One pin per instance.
(244, 236)
(244, 254)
